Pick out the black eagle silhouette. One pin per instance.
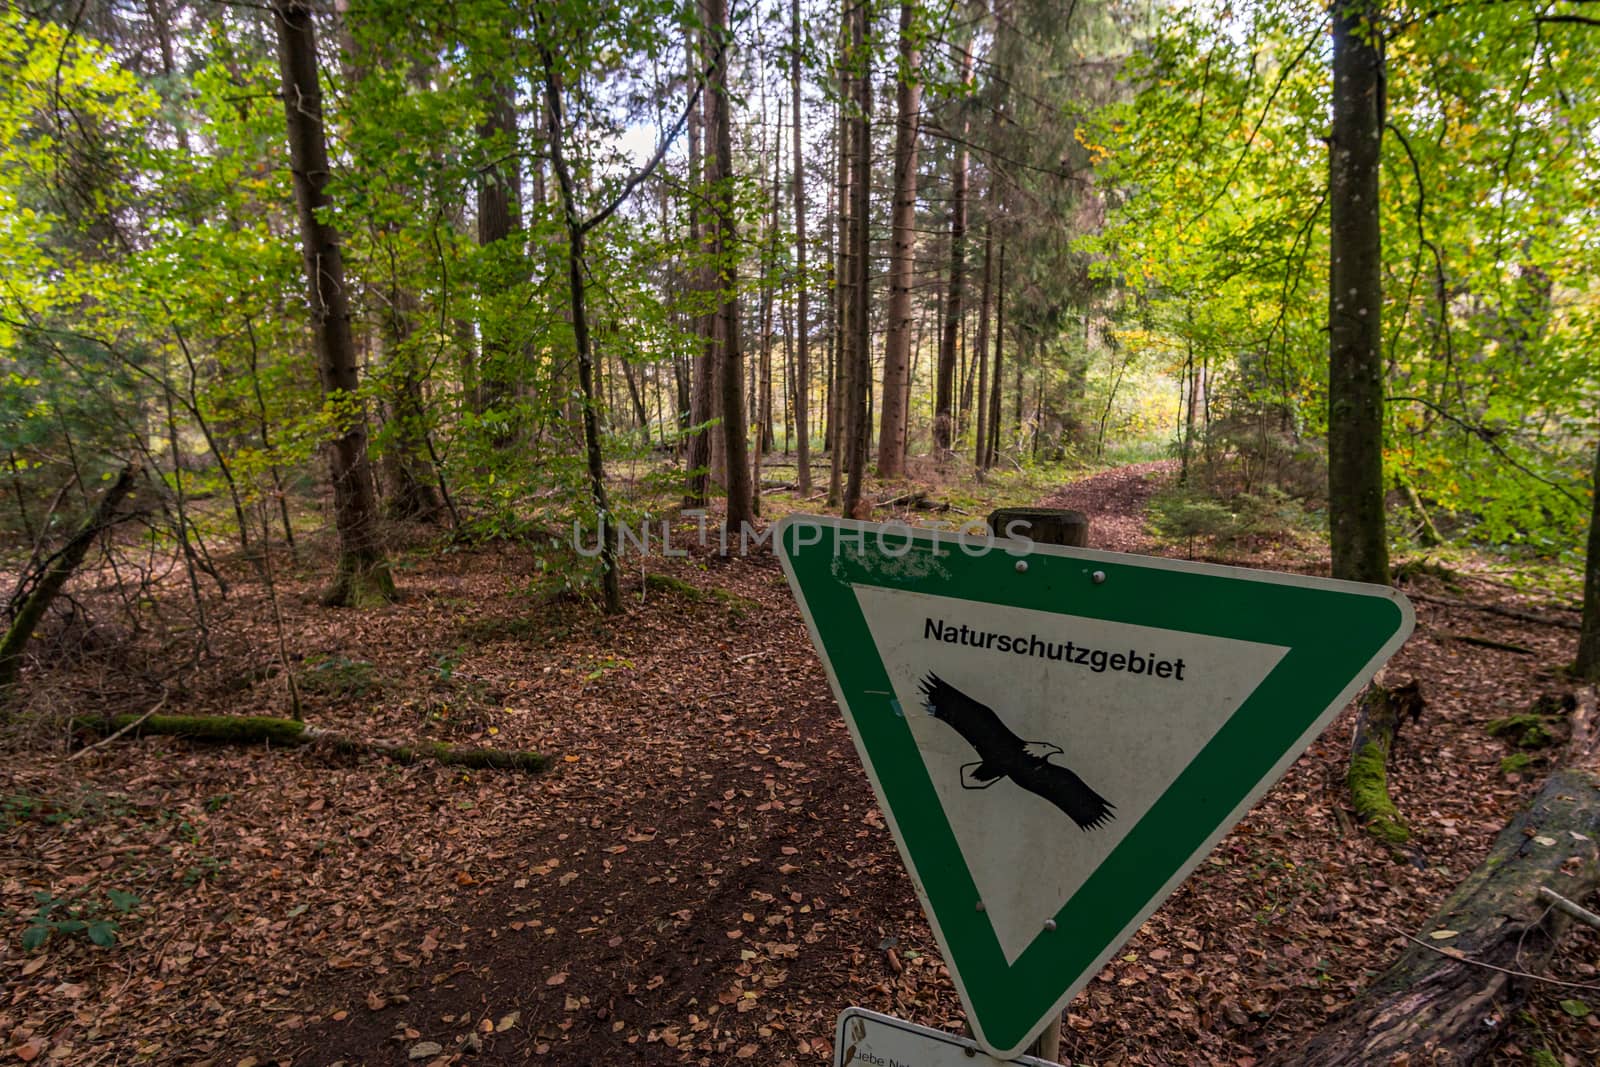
(1002, 754)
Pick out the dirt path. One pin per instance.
(703, 879)
(1115, 503)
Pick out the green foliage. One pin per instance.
(73, 916)
(339, 677)
(1189, 515)
(1488, 298)
(1526, 730)
(1515, 763)
(739, 606)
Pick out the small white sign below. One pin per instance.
(867, 1039)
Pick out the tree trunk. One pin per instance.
(1355, 300)
(1437, 1003)
(980, 457)
(943, 417)
(1381, 711)
(56, 573)
(841, 292)
(857, 419)
(261, 729)
(897, 339)
(698, 459)
(802, 389)
(725, 254)
(1588, 663)
(999, 362)
(362, 575)
(499, 222)
(410, 469)
(609, 534)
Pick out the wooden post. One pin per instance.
(1047, 526)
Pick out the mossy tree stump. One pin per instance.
(1381, 711)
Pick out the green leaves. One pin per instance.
(71, 916)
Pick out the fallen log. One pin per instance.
(1485, 642)
(1380, 713)
(1445, 1001)
(1494, 609)
(916, 500)
(56, 572)
(260, 729)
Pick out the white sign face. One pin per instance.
(867, 1039)
(1116, 711)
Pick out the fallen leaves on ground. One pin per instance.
(703, 876)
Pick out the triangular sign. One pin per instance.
(1058, 736)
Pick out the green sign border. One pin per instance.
(1338, 634)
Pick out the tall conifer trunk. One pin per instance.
(802, 386)
(361, 576)
(730, 361)
(981, 449)
(993, 451)
(897, 340)
(857, 418)
(944, 390)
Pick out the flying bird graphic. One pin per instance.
(1002, 754)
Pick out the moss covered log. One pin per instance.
(1377, 724)
(1435, 1005)
(255, 729)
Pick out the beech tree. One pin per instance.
(1356, 515)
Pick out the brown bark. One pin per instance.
(1355, 300)
(1434, 1005)
(1588, 662)
(411, 475)
(362, 573)
(499, 220)
(897, 341)
(724, 245)
(944, 389)
(698, 459)
(802, 388)
(981, 453)
(993, 451)
(842, 277)
(56, 572)
(859, 367)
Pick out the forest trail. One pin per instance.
(704, 877)
(750, 897)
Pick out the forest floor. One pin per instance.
(703, 877)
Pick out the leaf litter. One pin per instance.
(703, 877)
